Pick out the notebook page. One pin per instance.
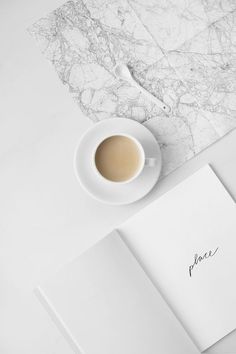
(186, 243)
(104, 303)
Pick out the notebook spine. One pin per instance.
(58, 321)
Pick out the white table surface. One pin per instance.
(46, 218)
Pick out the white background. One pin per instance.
(46, 219)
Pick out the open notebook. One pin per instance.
(163, 282)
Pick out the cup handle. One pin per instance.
(150, 161)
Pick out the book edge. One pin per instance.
(56, 318)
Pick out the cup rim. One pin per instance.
(141, 150)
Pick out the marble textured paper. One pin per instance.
(183, 52)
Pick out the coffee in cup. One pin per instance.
(118, 158)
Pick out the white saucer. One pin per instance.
(110, 192)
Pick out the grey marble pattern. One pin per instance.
(169, 22)
(207, 65)
(84, 42)
(216, 9)
(183, 52)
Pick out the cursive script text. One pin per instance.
(198, 259)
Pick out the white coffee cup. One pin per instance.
(143, 159)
